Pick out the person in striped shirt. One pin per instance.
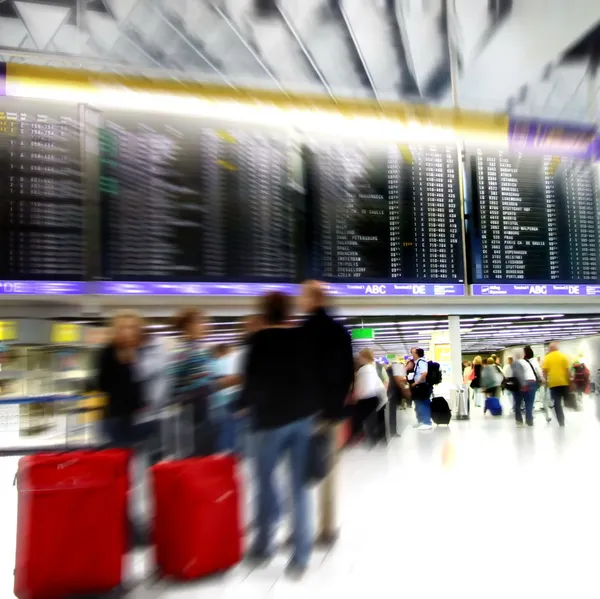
(191, 373)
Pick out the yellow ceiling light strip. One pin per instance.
(288, 108)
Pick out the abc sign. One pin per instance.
(538, 290)
(376, 290)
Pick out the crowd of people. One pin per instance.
(286, 382)
(523, 377)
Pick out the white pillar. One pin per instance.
(456, 350)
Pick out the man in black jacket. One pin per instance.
(329, 367)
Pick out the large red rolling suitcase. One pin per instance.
(71, 523)
(197, 529)
(197, 521)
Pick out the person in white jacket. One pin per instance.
(369, 396)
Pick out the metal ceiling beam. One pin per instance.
(451, 20)
(246, 45)
(399, 34)
(572, 97)
(342, 10)
(132, 42)
(193, 47)
(305, 50)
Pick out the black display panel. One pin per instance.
(536, 218)
(41, 191)
(185, 201)
(385, 214)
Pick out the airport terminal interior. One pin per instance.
(419, 178)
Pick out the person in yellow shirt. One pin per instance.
(558, 376)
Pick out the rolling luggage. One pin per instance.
(71, 523)
(440, 411)
(493, 405)
(197, 521)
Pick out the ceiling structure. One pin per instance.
(531, 57)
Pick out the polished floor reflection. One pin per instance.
(481, 509)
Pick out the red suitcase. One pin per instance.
(71, 523)
(197, 527)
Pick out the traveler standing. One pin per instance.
(468, 373)
(383, 375)
(152, 371)
(396, 394)
(476, 380)
(283, 414)
(527, 376)
(540, 390)
(193, 379)
(557, 374)
(421, 391)
(410, 377)
(243, 420)
(491, 378)
(369, 396)
(581, 380)
(118, 380)
(329, 372)
(222, 408)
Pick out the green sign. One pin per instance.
(391, 357)
(367, 334)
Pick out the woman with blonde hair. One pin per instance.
(468, 373)
(369, 395)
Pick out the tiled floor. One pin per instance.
(478, 510)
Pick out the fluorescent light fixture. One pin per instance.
(402, 323)
(532, 316)
(309, 119)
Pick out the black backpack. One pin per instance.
(434, 374)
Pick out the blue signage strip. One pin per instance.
(42, 288)
(535, 289)
(251, 289)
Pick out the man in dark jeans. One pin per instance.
(329, 371)
(421, 391)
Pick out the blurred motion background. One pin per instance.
(529, 58)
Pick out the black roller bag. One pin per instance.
(440, 411)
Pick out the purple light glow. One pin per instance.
(252, 289)
(538, 290)
(42, 288)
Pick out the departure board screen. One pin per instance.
(386, 214)
(185, 201)
(536, 218)
(41, 192)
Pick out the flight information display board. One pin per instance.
(536, 218)
(185, 201)
(388, 214)
(41, 192)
